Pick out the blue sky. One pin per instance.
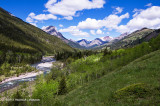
(89, 19)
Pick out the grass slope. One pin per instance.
(16, 34)
(133, 79)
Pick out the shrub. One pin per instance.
(134, 90)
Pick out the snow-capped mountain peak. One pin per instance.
(95, 42)
(83, 42)
(53, 31)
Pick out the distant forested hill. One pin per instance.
(24, 42)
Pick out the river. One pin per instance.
(43, 67)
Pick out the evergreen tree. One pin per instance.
(62, 89)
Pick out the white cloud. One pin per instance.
(66, 8)
(107, 33)
(117, 10)
(49, 3)
(42, 17)
(29, 18)
(34, 24)
(70, 7)
(68, 18)
(149, 5)
(110, 22)
(104, 29)
(60, 25)
(90, 24)
(75, 31)
(93, 32)
(33, 18)
(149, 18)
(99, 32)
(137, 11)
(44, 27)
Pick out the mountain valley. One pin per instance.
(41, 66)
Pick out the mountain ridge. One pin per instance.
(95, 42)
(128, 40)
(53, 31)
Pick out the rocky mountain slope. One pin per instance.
(131, 39)
(52, 31)
(95, 42)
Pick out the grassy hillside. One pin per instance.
(16, 35)
(76, 78)
(140, 79)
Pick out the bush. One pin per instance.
(69, 60)
(134, 90)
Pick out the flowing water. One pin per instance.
(45, 66)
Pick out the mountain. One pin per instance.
(100, 42)
(52, 31)
(83, 42)
(96, 42)
(154, 34)
(129, 40)
(19, 37)
(122, 41)
(93, 43)
(121, 36)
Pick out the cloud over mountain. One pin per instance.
(149, 18)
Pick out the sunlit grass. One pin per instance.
(101, 91)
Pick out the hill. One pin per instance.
(128, 76)
(112, 89)
(20, 37)
(132, 39)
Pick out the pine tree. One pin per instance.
(62, 89)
